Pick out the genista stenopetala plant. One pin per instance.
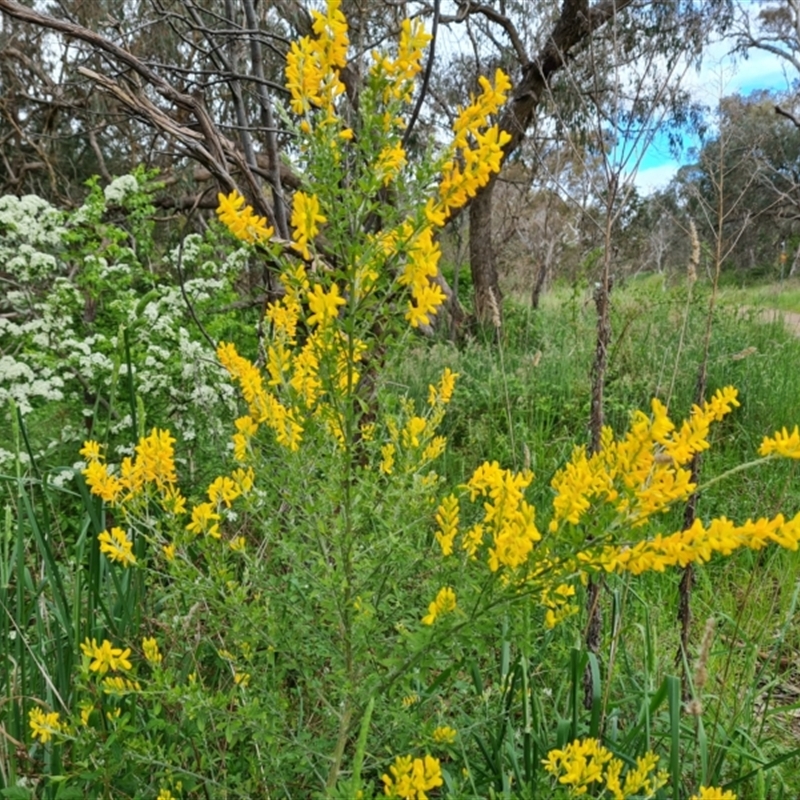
(291, 625)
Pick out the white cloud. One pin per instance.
(721, 74)
(652, 178)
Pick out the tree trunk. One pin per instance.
(485, 284)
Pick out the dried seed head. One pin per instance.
(495, 308)
(701, 670)
(694, 707)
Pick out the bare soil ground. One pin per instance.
(790, 319)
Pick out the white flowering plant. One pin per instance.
(97, 314)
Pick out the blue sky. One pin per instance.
(721, 75)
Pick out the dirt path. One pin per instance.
(791, 319)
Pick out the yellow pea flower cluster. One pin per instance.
(642, 473)
(313, 63)
(585, 762)
(264, 406)
(44, 725)
(444, 734)
(117, 685)
(412, 778)
(397, 74)
(508, 520)
(445, 603)
(117, 546)
(559, 604)
(782, 443)
(154, 463)
(475, 153)
(223, 490)
(306, 219)
(151, 651)
(712, 793)
(240, 219)
(698, 544)
(105, 656)
(413, 442)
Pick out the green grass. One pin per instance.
(784, 296)
(525, 402)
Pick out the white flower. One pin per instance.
(120, 188)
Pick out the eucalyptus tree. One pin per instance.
(191, 82)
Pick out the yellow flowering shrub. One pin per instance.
(585, 764)
(324, 569)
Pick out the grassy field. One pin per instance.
(784, 296)
(526, 402)
(522, 399)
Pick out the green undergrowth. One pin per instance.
(523, 397)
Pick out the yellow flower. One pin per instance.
(782, 443)
(306, 218)
(91, 451)
(44, 726)
(447, 519)
(101, 482)
(444, 603)
(411, 778)
(387, 462)
(324, 305)
(444, 735)
(390, 161)
(173, 501)
(117, 546)
(105, 656)
(241, 679)
(169, 551)
(165, 794)
(711, 793)
(118, 685)
(240, 219)
(203, 516)
(443, 393)
(151, 651)
(414, 428)
(223, 489)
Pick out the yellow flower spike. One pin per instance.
(116, 545)
(101, 482)
(105, 656)
(444, 734)
(447, 518)
(151, 651)
(91, 451)
(44, 725)
(204, 520)
(444, 603)
(387, 462)
(411, 778)
(712, 793)
(223, 489)
(306, 219)
(390, 161)
(324, 305)
(240, 219)
(783, 444)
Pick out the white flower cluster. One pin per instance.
(120, 188)
(31, 231)
(59, 344)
